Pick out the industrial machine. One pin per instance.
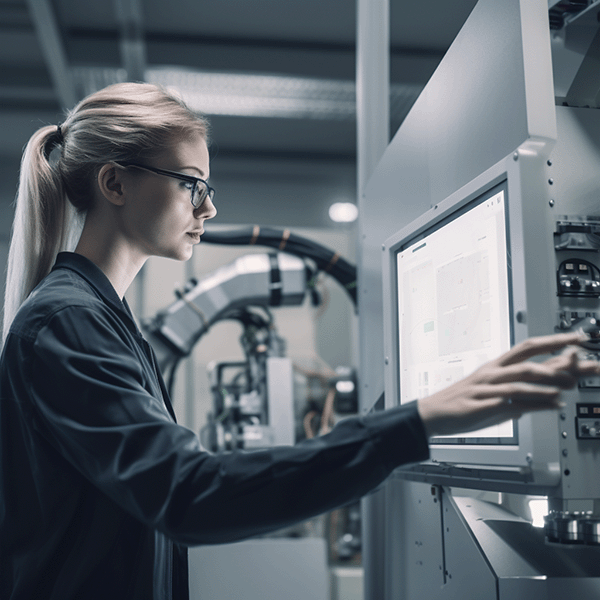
(484, 211)
(479, 227)
(253, 400)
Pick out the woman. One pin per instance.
(100, 490)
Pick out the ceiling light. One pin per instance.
(343, 212)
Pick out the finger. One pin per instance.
(574, 360)
(588, 367)
(540, 345)
(498, 410)
(516, 391)
(560, 374)
(568, 356)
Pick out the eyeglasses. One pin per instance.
(200, 190)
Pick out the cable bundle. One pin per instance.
(325, 259)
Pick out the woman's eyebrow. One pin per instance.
(194, 169)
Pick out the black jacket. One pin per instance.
(101, 491)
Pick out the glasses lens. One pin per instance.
(200, 193)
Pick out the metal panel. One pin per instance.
(262, 569)
(415, 557)
(525, 565)
(468, 572)
(372, 104)
(372, 115)
(492, 91)
(280, 396)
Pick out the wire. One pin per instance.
(327, 416)
(324, 258)
(307, 423)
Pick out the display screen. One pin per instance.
(454, 305)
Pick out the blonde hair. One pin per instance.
(125, 121)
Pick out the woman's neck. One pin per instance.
(101, 243)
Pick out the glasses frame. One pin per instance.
(210, 192)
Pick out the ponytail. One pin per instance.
(41, 224)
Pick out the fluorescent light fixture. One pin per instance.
(253, 95)
(260, 95)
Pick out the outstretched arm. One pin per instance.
(509, 386)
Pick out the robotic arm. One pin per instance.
(253, 400)
(255, 279)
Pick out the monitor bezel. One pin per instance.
(435, 226)
(521, 172)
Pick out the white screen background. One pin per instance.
(453, 304)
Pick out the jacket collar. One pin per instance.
(97, 279)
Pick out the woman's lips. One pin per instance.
(195, 235)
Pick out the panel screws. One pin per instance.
(551, 203)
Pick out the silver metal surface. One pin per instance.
(490, 105)
(572, 528)
(261, 569)
(372, 120)
(280, 400)
(246, 281)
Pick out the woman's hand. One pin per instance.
(509, 386)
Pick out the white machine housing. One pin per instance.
(539, 458)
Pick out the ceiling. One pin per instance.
(280, 143)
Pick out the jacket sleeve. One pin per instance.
(90, 403)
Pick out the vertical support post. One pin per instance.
(133, 47)
(190, 395)
(372, 117)
(48, 34)
(372, 86)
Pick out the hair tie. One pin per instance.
(54, 141)
(60, 138)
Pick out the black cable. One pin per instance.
(325, 259)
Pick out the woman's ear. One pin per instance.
(110, 183)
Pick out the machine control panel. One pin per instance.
(587, 421)
(580, 278)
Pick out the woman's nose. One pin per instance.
(207, 210)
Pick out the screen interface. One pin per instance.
(453, 305)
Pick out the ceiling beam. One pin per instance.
(52, 48)
(207, 40)
(132, 45)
